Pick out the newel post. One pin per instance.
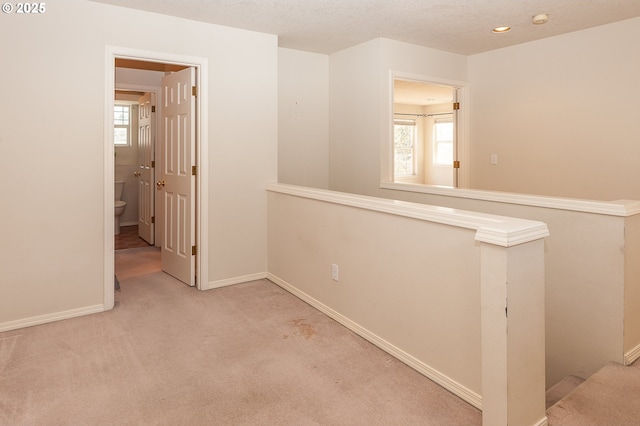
(512, 315)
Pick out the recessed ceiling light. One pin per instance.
(501, 29)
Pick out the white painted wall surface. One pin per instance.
(632, 289)
(420, 302)
(361, 106)
(427, 284)
(561, 113)
(585, 281)
(303, 118)
(52, 256)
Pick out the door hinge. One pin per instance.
(193, 250)
(193, 170)
(153, 219)
(456, 106)
(153, 164)
(456, 164)
(153, 108)
(194, 90)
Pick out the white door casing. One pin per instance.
(177, 180)
(201, 64)
(146, 157)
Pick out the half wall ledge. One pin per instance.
(492, 229)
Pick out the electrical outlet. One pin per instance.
(494, 159)
(334, 272)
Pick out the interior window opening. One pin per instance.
(424, 135)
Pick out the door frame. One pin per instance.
(202, 153)
(157, 131)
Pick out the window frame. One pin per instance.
(117, 126)
(414, 141)
(437, 143)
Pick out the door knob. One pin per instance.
(136, 174)
(160, 184)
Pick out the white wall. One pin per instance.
(361, 106)
(591, 281)
(52, 256)
(303, 118)
(428, 285)
(561, 113)
(566, 105)
(418, 303)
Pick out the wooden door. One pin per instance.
(177, 182)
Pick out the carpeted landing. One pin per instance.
(248, 354)
(610, 397)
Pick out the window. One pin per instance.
(122, 125)
(404, 147)
(443, 142)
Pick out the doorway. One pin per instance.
(166, 63)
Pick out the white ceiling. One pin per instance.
(459, 26)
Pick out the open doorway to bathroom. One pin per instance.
(138, 73)
(136, 132)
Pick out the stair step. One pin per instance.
(561, 389)
(609, 397)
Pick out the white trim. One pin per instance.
(109, 178)
(57, 316)
(498, 230)
(446, 382)
(236, 280)
(622, 208)
(202, 149)
(631, 356)
(542, 422)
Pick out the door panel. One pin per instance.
(146, 155)
(177, 183)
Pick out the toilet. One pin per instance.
(119, 205)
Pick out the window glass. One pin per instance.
(404, 138)
(443, 142)
(121, 123)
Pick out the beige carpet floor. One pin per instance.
(248, 354)
(610, 397)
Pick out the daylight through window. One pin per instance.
(443, 142)
(121, 125)
(404, 144)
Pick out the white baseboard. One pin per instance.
(57, 316)
(431, 373)
(632, 355)
(542, 422)
(235, 280)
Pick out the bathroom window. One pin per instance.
(122, 125)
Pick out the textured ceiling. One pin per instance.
(459, 26)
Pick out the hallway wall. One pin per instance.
(53, 104)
